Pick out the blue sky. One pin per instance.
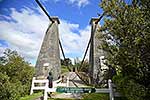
(23, 25)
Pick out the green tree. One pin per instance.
(84, 67)
(67, 62)
(16, 76)
(126, 41)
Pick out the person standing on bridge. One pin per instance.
(50, 85)
(50, 79)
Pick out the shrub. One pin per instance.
(129, 88)
(16, 75)
(9, 91)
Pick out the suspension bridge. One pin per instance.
(49, 59)
(49, 55)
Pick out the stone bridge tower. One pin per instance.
(49, 55)
(95, 53)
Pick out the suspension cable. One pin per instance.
(85, 52)
(62, 49)
(100, 18)
(64, 55)
(44, 10)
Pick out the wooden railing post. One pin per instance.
(67, 84)
(45, 91)
(45, 94)
(31, 91)
(110, 90)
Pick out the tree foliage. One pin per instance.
(126, 41)
(66, 62)
(16, 75)
(84, 67)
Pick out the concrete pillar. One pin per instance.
(95, 53)
(49, 55)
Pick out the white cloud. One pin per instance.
(73, 42)
(25, 30)
(79, 3)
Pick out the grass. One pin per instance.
(100, 96)
(86, 96)
(60, 99)
(31, 97)
(64, 69)
(95, 96)
(91, 96)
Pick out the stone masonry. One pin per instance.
(49, 55)
(95, 53)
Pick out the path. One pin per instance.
(74, 81)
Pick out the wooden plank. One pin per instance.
(40, 81)
(39, 88)
(105, 90)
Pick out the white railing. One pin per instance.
(111, 95)
(45, 86)
(33, 87)
(109, 90)
(58, 83)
